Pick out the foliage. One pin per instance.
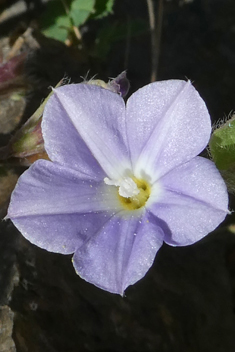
(60, 15)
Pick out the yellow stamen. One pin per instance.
(137, 201)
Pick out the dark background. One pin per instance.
(186, 302)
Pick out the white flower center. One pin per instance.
(127, 187)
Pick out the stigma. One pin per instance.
(132, 193)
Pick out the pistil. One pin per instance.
(132, 192)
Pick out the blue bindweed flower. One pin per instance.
(122, 179)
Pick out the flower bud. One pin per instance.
(119, 85)
(28, 141)
(222, 150)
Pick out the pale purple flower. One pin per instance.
(122, 180)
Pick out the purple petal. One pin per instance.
(120, 253)
(48, 199)
(194, 201)
(60, 233)
(81, 120)
(55, 233)
(167, 124)
(48, 188)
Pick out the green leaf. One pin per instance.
(80, 10)
(54, 22)
(103, 8)
(222, 145)
(56, 32)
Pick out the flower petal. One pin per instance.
(84, 127)
(120, 253)
(194, 201)
(48, 199)
(60, 233)
(48, 188)
(167, 124)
